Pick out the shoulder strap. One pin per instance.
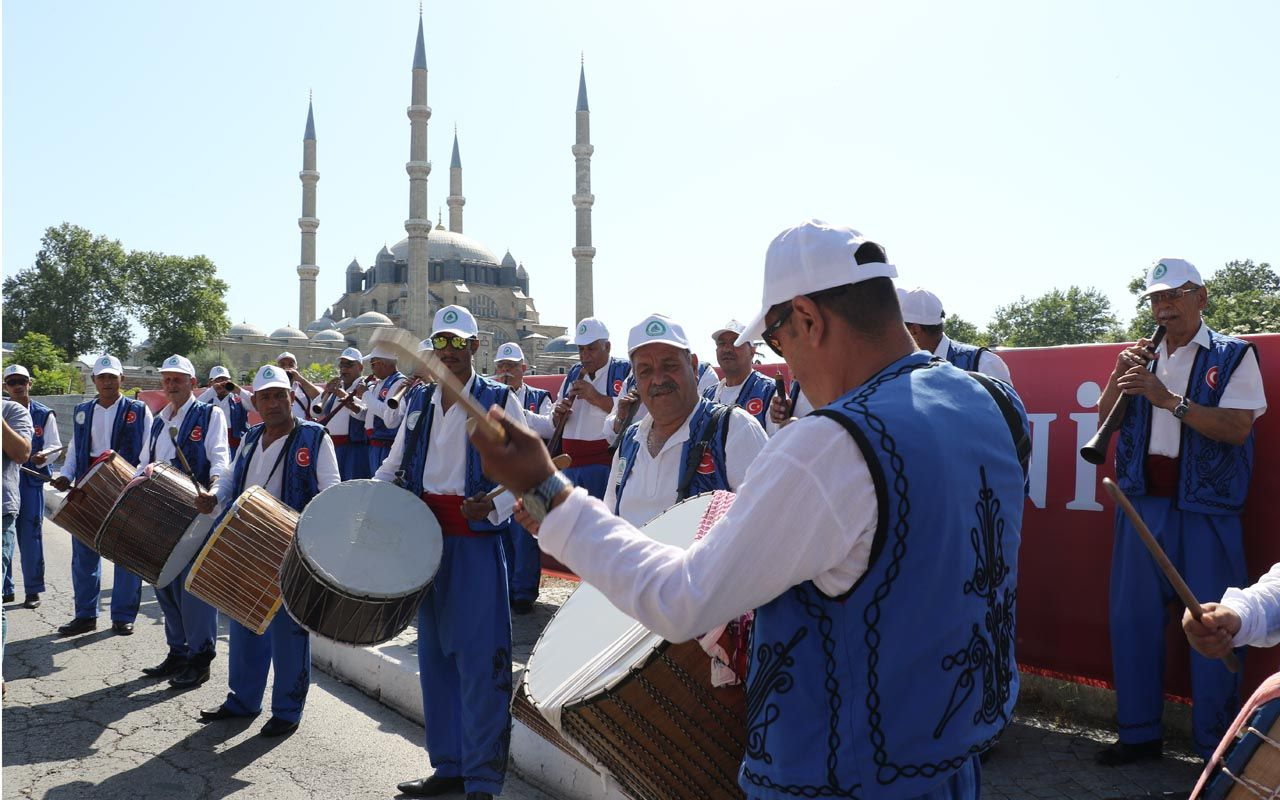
(1021, 438)
(700, 448)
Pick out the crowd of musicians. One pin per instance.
(875, 533)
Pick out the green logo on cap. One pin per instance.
(582, 328)
(655, 328)
(106, 362)
(1159, 271)
(450, 316)
(268, 373)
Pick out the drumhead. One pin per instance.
(370, 539)
(193, 539)
(590, 633)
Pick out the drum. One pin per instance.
(154, 530)
(89, 502)
(365, 553)
(238, 571)
(643, 708)
(1246, 764)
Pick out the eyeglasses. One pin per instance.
(456, 342)
(770, 332)
(16, 382)
(1170, 295)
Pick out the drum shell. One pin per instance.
(148, 520)
(85, 508)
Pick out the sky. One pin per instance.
(997, 150)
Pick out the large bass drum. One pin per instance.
(90, 500)
(365, 553)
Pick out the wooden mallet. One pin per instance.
(1157, 552)
(561, 461)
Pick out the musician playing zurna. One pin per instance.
(585, 399)
(741, 385)
(838, 524)
(236, 403)
(925, 319)
(346, 419)
(464, 622)
(1183, 456)
(30, 522)
(524, 562)
(381, 422)
(109, 421)
(301, 404)
(200, 432)
(294, 461)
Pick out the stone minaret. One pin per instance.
(583, 252)
(418, 225)
(308, 222)
(456, 201)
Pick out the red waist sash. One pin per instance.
(1162, 476)
(339, 441)
(448, 511)
(586, 452)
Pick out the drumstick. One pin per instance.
(405, 346)
(561, 461)
(40, 476)
(173, 435)
(1170, 572)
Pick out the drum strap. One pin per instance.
(717, 423)
(288, 442)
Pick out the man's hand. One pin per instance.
(1140, 380)
(624, 408)
(780, 410)
(61, 483)
(477, 508)
(333, 385)
(206, 502)
(1136, 355)
(526, 519)
(39, 459)
(520, 463)
(1212, 635)
(584, 390)
(563, 407)
(359, 389)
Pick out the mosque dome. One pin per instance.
(245, 329)
(288, 332)
(329, 335)
(322, 324)
(560, 344)
(445, 245)
(372, 318)
(508, 260)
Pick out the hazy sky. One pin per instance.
(995, 149)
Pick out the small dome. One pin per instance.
(288, 332)
(508, 260)
(344, 323)
(354, 266)
(329, 335)
(245, 329)
(560, 344)
(521, 272)
(386, 251)
(322, 324)
(372, 318)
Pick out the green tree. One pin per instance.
(319, 374)
(205, 359)
(178, 300)
(75, 293)
(50, 374)
(1076, 316)
(961, 330)
(1244, 297)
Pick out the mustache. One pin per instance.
(662, 388)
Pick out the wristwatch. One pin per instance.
(1181, 409)
(537, 501)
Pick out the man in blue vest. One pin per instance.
(464, 622)
(587, 398)
(293, 460)
(524, 561)
(879, 549)
(380, 420)
(108, 422)
(1184, 454)
(300, 404)
(200, 432)
(922, 312)
(345, 420)
(45, 438)
(741, 386)
(236, 405)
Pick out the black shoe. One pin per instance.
(32, 601)
(172, 665)
(221, 712)
(122, 628)
(1122, 753)
(431, 787)
(479, 796)
(277, 727)
(9, 598)
(78, 626)
(521, 607)
(191, 677)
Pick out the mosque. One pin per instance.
(430, 268)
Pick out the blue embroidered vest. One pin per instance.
(710, 474)
(618, 371)
(418, 419)
(533, 398)
(754, 396)
(1213, 477)
(380, 432)
(237, 420)
(39, 418)
(299, 483)
(965, 356)
(195, 426)
(126, 432)
(855, 696)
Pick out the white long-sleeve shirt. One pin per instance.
(806, 510)
(586, 421)
(262, 462)
(52, 438)
(706, 380)
(104, 420)
(540, 421)
(374, 406)
(1258, 607)
(210, 395)
(652, 484)
(214, 440)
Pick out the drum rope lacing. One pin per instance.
(1255, 788)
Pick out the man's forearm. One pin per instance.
(16, 446)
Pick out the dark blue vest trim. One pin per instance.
(39, 418)
(198, 415)
(965, 356)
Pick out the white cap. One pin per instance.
(732, 326)
(657, 329)
(811, 257)
(380, 351)
(16, 369)
(1170, 273)
(509, 352)
(219, 372)
(287, 354)
(107, 365)
(589, 330)
(456, 320)
(271, 377)
(920, 306)
(351, 354)
(177, 363)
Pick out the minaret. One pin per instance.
(308, 223)
(418, 225)
(456, 201)
(583, 252)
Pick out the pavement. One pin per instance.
(81, 721)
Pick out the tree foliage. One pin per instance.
(1076, 316)
(961, 330)
(50, 374)
(178, 301)
(319, 374)
(1244, 297)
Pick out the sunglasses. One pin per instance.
(16, 382)
(770, 333)
(456, 342)
(1171, 295)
